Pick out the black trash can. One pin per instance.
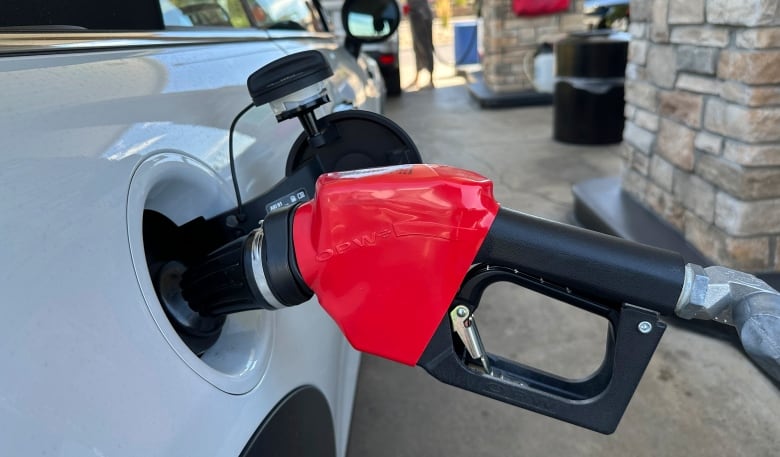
(588, 101)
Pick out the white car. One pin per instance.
(114, 127)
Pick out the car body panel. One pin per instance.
(87, 370)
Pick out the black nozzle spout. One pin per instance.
(257, 271)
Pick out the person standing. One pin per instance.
(421, 21)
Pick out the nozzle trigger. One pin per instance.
(465, 326)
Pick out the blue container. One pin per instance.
(466, 43)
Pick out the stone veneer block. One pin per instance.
(635, 184)
(636, 72)
(626, 152)
(516, 23)
(629, 111)
(641, 10)
(637, 51)
(751, 254)
(715, 115)
(777, 253)
(638, 30)
(759, 38)
(646, 120)
(751, 125)
(659, 28)
(665, 205)
(746, 183)
(682, 106)
(696, 194)
(640, 163)
(701, 35)
(686, 12)
(549, 35)
(699, 234)
(675, 144)
(661, 65)
(708, 143)
(571, 22)
(752, 154)
(697, 59)
(742, 12)
(721, 173)
(700, 84)
(642, 95)
(662, 172)
(746, 218)
(752, 67)
(750, 95)
(638, 137)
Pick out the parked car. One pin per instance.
(606, 14)
(385, 52)
(114, 120)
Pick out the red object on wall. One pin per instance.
(539, 7)
(385, 250)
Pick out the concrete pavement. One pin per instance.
(699, 397)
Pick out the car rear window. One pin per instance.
(81, 14)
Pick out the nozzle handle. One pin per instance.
(604, 267)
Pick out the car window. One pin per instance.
(74, 15)
(196, 13)
(285, 14)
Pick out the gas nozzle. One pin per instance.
(394, 248)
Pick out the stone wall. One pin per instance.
(702, 134)
(508, 39)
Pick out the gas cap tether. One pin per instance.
(294, 87)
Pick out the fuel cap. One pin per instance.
(287, 75)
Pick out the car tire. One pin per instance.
(393, 82)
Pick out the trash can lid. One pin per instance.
(595, 54)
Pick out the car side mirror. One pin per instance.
(368, 21)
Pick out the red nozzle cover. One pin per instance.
(386, 249)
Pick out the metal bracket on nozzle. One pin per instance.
(739, 299)
(710, 293)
